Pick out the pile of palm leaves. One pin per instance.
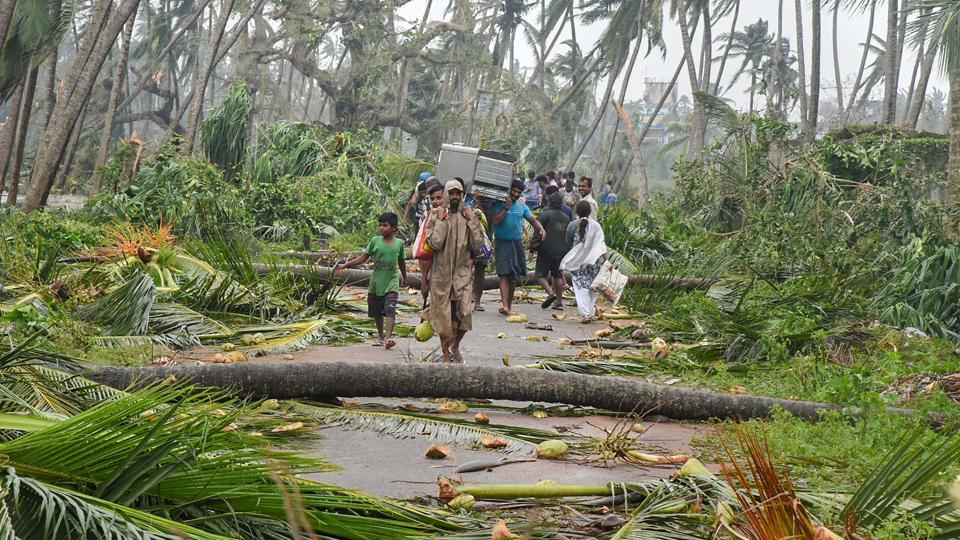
(165, 462)
(921, 290)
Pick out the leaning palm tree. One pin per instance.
(942, 17)
(752, 45)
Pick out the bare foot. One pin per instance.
(389, 344)
(504, 311)
(377, 343)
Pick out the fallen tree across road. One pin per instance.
(326, 380)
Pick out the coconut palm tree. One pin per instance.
(752, 45)
(943, 21)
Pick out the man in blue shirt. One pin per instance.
(510, 257)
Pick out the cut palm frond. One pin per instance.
(406, 425)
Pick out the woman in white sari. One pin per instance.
(583, 261)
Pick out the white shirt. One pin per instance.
(594, 207)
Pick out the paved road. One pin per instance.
(395, 467)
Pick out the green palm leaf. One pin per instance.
(167, 447)
(591, 368)
(31, 509)
(406, 425)
(663, 515)
(920, 458)
(126, 309)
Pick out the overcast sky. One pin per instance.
(851, 34)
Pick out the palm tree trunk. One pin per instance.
(775, 72)
(920, 94)
(50, 99)
(953, 162)
(119, 75)
(67, 165)
(921, 53)
(184, 26)
(863, 64)
(96, 47)
(726, 49)
(814, 105)
(10, 134)
(836, 58)
(623, 94)
(643, 190)
(206, 69)
(326, 380)
(801, 67)
(695, 145)
(22, 130)
(6, 15)
(612, 78)
(542, 61)
(404, 79)
(889, 113)
(707, 52)
(901, 45)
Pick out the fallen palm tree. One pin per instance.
(361, 278)
(326, 380)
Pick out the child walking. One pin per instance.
(386, 251)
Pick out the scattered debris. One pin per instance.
(293, 426)
(538, 326)
(501, 532)
(451, 406)
(487, 465)
(907, 388)
(481, 418)
(462, 502)
(490, 442)
(660, 349)
(437, 452)
(521, 318)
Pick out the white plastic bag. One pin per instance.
(610, 282)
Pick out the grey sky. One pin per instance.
(851, 33)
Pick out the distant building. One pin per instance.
(654, 91)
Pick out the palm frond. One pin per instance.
(170, 318)
(598, 367)
(168, 446)
(920, 458)
(407, 424)
(34, 509)
(664, 514)
(126, 309)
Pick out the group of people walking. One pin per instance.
(454, 246)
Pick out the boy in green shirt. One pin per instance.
(386, 251)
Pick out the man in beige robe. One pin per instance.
(454, 235)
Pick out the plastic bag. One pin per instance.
(610, 282)
(421, 250)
